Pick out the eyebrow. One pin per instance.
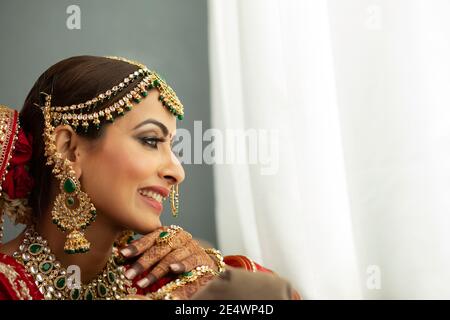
(155, 122)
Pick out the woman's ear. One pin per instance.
(68, 144)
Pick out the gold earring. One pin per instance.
(174, 200)
(72, 210)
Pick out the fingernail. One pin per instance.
(143, 282)
(126, 252)
(131, 273)
(175, 267)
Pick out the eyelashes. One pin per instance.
(153, 142)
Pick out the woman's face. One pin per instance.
(133, 156)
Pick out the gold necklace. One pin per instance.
(55, 283)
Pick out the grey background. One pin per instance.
(169, 36)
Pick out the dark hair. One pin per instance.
(70, 81)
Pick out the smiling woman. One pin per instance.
(93, 145)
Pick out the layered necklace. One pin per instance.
(57, 283)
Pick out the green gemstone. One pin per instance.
(144, 93)
(163, 234)
(111, 277)
(75, 294)
(101, 289)
(69, 185)
(70, 201)
(187, 274)
(136, 100)
(88, 295)
(35, 248)
(155, 83)
(129, 107)
(180, 117)
(60, 282)
(117, 261)
(46, 266)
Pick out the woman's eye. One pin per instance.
(152, 142)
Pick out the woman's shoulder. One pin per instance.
(15, 282)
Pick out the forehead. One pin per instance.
(149, 108)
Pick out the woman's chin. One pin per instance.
(147, 227)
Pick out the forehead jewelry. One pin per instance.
(142, 79)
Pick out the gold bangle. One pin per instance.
(165, 292)
(219, 259)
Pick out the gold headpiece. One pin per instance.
(82, 112)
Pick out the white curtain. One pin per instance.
(356, 93)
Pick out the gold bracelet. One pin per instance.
(165, 292)
(219, 259)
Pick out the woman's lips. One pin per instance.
(152, 203)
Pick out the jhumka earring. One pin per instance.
(72, 210)
(174, 200)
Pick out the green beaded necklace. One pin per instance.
(54, 282)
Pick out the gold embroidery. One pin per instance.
(12, 276)
(24, 290)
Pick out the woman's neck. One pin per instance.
(100, 234)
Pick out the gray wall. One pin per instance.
(169, 36)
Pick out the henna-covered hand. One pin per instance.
(181, 254)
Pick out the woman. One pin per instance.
(87, 162)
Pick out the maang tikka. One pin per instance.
(72, 209)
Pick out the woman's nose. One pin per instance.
(172, 171)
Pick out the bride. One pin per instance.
(86, 164)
